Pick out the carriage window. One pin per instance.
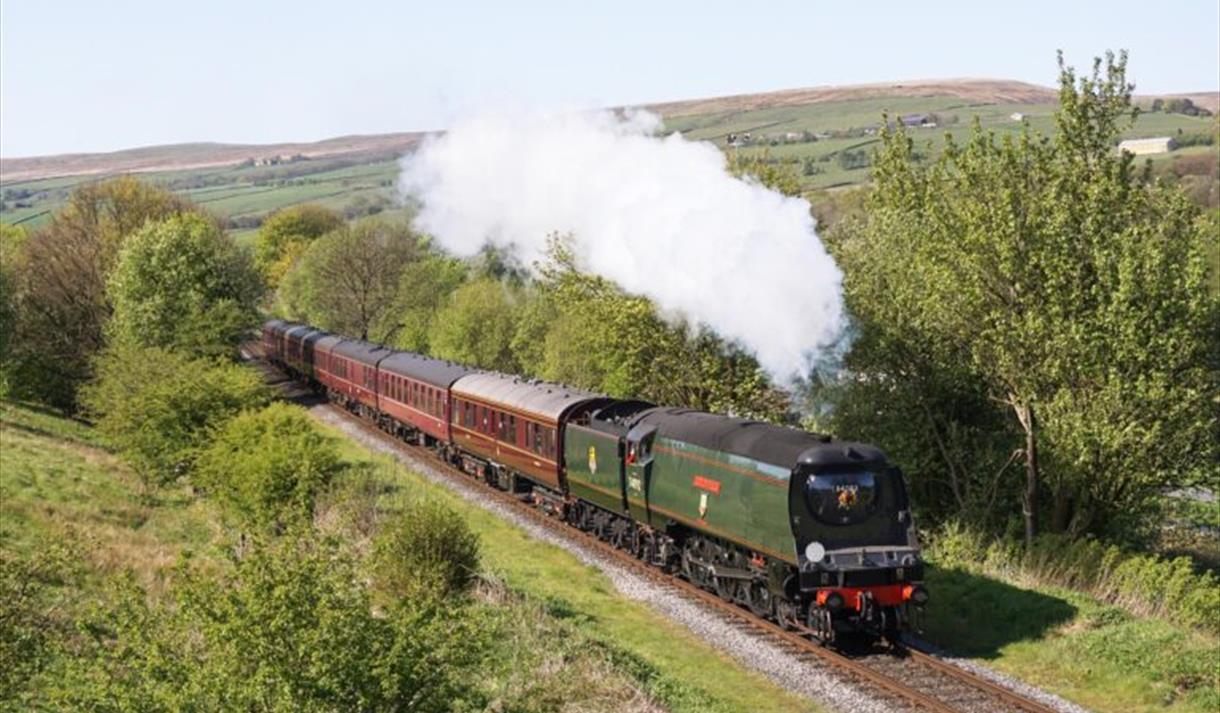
(512, 430)
(551, 442)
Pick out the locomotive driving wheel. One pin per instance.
(759, 599)
(787, 613)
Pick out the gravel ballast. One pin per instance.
(752, 651)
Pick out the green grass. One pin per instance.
(57, 484)
(1098, 656)
(689, 673)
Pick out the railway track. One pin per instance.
(908, 679)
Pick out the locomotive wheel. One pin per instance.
(759, 599)
(726, 588)
(786, 613)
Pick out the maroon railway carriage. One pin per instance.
(273, 336)
(350, 370)
(516, 424)
(293, 349)
(325, 369)
(414, 391)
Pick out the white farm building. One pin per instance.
(1141, 147)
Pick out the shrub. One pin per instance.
(29, 629)
(425, 551)
(158, 407)
(290, 627)
(268, 467)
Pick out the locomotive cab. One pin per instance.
(859, 564)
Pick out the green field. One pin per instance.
(238, 194)
(361, 185)
(769, 127)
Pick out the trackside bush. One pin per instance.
(288, 627)
(1145, 585)
(158, 408)
(268, 467)
(427, 550)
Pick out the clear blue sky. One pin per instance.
(103, 75)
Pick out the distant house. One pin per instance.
(1017, 116)
(1142, 147)
(917, 120)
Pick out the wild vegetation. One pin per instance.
(1034, 304)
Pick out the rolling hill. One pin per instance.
(824, 134)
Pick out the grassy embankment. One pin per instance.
(58, 484)
(1094, 654)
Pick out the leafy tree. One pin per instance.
(477, 325)
(765, 170)
(584, 330)
(1072, 291)
(423, 287)
(346, 281)
(427, 550)
(64, 305)
(182, 283)
(158, 408)
(12, 259)
(285, 235)
(268, 467)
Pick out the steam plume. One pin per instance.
(659, 216)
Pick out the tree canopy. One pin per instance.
(1046, 276)
(285, 235)
(182, 283)
(63, 305)
(347, 280)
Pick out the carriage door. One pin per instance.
(638, 470)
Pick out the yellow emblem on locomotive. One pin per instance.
(593, 460)
(847, 498)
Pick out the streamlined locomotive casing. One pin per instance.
(594, 447)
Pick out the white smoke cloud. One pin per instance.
(659, 216)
